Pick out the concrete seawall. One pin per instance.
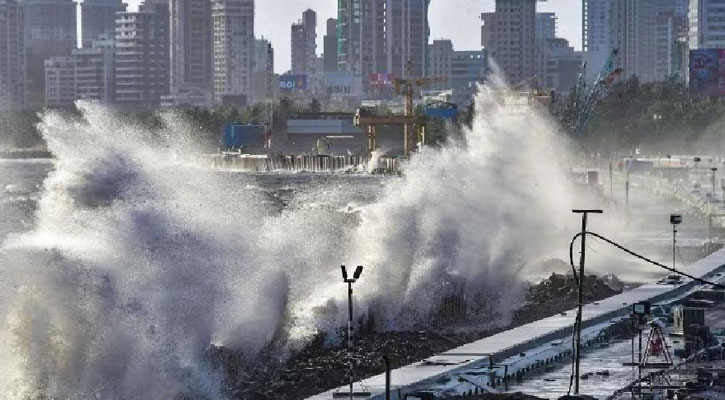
(295, 163)
(467, 367)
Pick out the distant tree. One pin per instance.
(315, 107)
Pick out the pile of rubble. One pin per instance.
(317, 368)
(559, 293)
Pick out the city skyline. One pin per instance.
(465, 33)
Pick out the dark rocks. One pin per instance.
(559, 293)
(317, 368)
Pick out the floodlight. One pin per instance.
(344, 273)
(357, 273)
(675, 219)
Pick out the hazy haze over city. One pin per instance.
(274, 18)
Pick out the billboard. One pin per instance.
(292, 82)
(382, 79)
(707, 72)
(237, 136)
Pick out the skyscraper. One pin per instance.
(462, 70)
(304, 45)
(509, 35)
(383, 36)
(373, 52)
(546, 25)
(440, 55)
(142, 55)
(98, 17)
(60, 81)
(50, 30)
(407, 37)
(633, 33)
(647, 34)
(596, 34)
(330, 50)
(12, 55)
(94, 70)
(263, 84)
(233, 22)
(191, 46)
(707, 24)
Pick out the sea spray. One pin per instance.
(140, 261)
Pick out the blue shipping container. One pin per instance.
(442, 110)
(237, 136)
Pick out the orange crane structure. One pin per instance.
(413, 126)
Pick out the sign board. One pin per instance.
(292, 82)
(238, 136)
(382, 79)
(707, 72)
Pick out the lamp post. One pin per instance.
(714, 173)
(350, 281)
(584, 214)
(675, 219)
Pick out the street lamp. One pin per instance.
(714, 172)
(675, 219)
(350, 281)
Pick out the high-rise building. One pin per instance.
(561, 65)
(191, 46)
(142, 55)
(707, 24)
(348, 35)
(596, 34)
(233, 22)
(509, 36)
(468, 69)
(330, 50)
(546, 25)
(545, 32)
(671, 32)
(12, 55)
(373, 44)
(304, 47)
(263, 84)
(98, 17)
(633, 33)
(60, 81)
(407, 37)
(383, 36)
(440, 55)
(50, 30)
(94, 72)
(647, 34)
(463, 70)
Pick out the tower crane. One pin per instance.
(406, 88)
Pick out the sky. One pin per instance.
(458, 20)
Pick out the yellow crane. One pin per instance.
(406, 88)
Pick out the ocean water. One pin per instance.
(123, 261)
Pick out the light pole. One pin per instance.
(675, 219)
(584, 214)
(355, 277)
(714, 172)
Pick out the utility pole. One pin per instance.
(626, 193)
(714, 173)
(611, 181)
(349, 282)
(675, 219)
(582, 258)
